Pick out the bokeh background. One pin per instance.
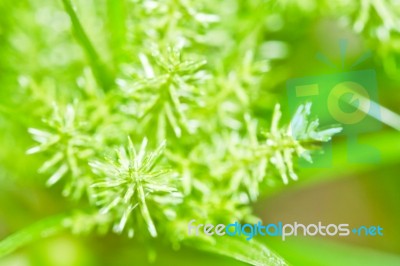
(35, 40)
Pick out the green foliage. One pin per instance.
(253, 252)
(163, 115)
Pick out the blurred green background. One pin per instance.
(36, 41)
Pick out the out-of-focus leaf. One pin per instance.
(102, 74)
(41, 229)
(320, 252)
(252, 252)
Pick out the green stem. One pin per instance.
(44, 228)
(103, 77)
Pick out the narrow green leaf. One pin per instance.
(252, 252)
(44, 228)
(103, 76)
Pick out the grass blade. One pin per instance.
(103, 76)
(252, 252)
(44, 228)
